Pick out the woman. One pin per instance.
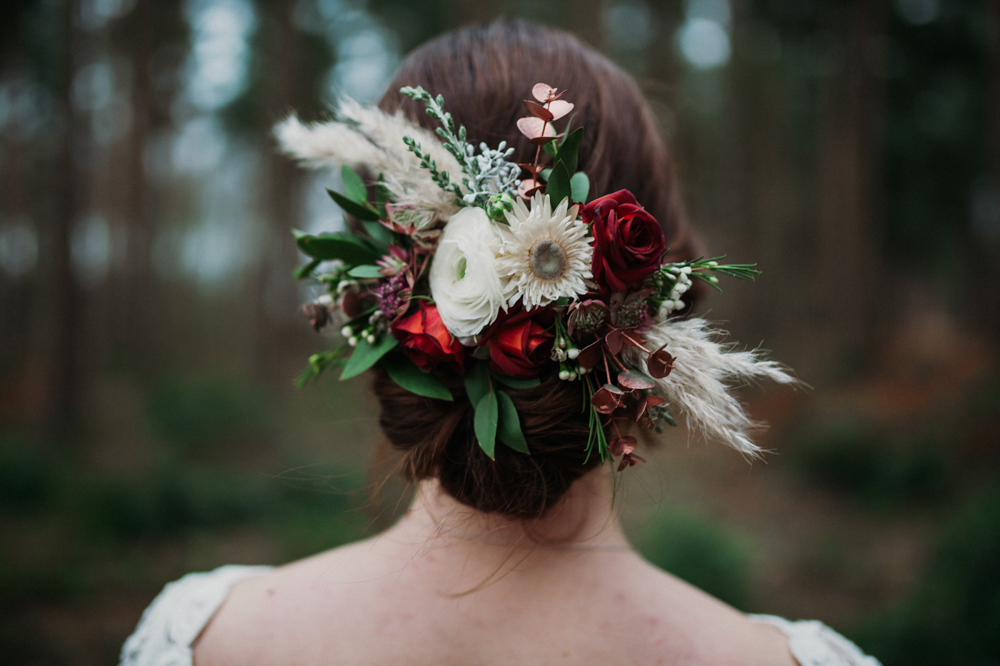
(503, 557)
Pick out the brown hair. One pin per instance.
(484, 72)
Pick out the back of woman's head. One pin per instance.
(484, 72)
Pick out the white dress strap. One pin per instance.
(814, 644)
(178, 615)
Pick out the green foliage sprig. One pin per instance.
(486, 174)
(441, 178)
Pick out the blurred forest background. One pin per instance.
(150, 330)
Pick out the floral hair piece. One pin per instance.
(502, 279)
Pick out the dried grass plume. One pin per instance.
(704, 373)
(366, 136)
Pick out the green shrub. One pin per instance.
(879, 469)
(29, 476)
(174, 497)
(700, 552)
(954, 615)
(199, 414)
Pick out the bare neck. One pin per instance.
(584, 519)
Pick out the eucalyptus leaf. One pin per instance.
(569, 150)
(579, 186)
(515, 383)
(486, 423)
(339, 245)
(509, 424)
(477, 382)
(365, 355)
(405, 372)
(558, 185)
(364, 212)
(354, 187)
(366, 271)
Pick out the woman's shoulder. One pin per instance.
(769, 638)
(812, 643)
(177, 616)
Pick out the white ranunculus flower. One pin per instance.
(464, 280)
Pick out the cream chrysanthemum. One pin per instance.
(546, 254)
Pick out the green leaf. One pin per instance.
(558, 186)
(365, 355)
(579, 186)
(354, 187)
(405, 373)
(569, 150)
(382, 195)
(550, 148)
(318, 362)
(303, 272)
(340, 245)
(516, 383)
(486, 423)
(545, 173)
(363, 211)
(366, 271)
(477, 382)
(379, 233)
(509, 424)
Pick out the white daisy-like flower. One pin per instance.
(465, 283)
(545, 254)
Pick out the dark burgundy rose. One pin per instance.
(628, 242)
(426, 340)
(520, 342)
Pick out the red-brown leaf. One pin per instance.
(542, 140)
(642, 400)
(614, 340)
(590, 355)
(537, 110)
(660, 363)
(536, 128)
(634, 380)
(622, 446)
(528, 187)
(630, 459)
(559, 108)
(607, 399)
(542, 92)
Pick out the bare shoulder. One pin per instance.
(271, 618)
(362, 603)
(688, 626)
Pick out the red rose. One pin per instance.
(520, 342)
(427, 342)
(628, 242)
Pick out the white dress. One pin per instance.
(181, 611)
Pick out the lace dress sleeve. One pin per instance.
(814, 644)
(178, 615)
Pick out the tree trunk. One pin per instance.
(62, 409)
